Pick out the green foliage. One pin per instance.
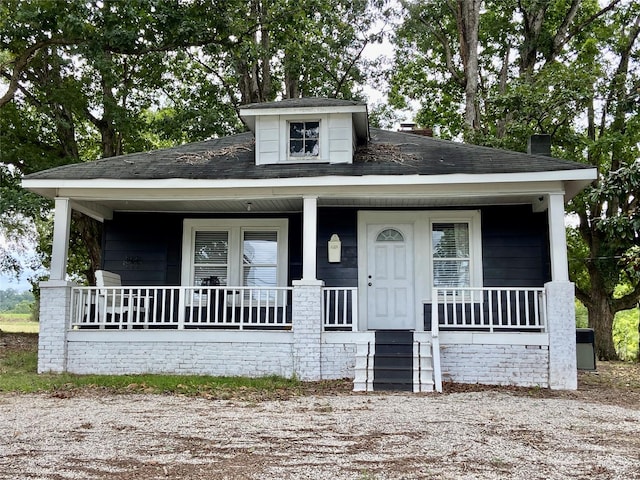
(625, 334)
(88, 80)
(544, 67)
(15, 302)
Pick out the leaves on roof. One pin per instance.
(383, 153)
(203, 157)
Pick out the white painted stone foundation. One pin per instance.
(55, 303)
(521, 365)
(534, 359)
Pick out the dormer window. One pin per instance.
(304, 139)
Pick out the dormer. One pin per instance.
(307, 130)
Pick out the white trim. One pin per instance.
(309, 238)
(472, 217)
(421, 221)
(323, 139)
(61, 233)
(558, 239)
(480, 338)
(235, 227)
(195, 336)
(527, 178)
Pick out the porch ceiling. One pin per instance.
(277, 205)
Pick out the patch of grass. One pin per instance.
(18, 373)
(18, 322)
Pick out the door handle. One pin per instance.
(370, 284)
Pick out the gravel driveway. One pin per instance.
(476, 435)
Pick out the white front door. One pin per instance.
(390, 280)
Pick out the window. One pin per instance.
(451, 254)
(260, 259)
(304, 139)
(390, 235)
(249, 252)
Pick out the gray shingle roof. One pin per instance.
(388, 153)
(303, 102)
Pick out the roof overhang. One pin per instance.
(99, 198)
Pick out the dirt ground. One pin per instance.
(469, 432)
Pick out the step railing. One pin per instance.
(489, 309)
(181, 307)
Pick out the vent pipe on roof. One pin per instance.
(539, 145)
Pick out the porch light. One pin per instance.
(334, 248)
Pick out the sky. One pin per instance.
(10, 282)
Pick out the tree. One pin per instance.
(86, 80)
(568, 68)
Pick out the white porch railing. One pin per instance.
(489, 309)
(181, 307)
(340, 308)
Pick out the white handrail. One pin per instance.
(180, 307)
(435, 345)
(490, 308)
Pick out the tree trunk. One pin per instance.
(601, 316)
(90, 231)
(468, 19)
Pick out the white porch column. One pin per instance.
(309, 238)
(557, 239)
(61, 233)
(561, 324)
(55, 308)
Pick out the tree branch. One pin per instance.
(23, 60)
(630, 300)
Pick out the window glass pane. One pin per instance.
(210, 276)
(312, 129)
(451, 273)
(450, 240)
(260, 248)
(296, 148)
(259, 276)
(211, 247)
(296, 130)
(390, 235)
(311, 148)
(304, 139)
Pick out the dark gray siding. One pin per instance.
(146, 248)
(344, 223)
(143, 248)
(515, 247)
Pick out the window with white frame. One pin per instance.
(304, 139)
(451, 254)
(250, 252)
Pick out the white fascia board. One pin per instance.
(47, 186)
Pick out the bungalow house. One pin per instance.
(316, 246)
